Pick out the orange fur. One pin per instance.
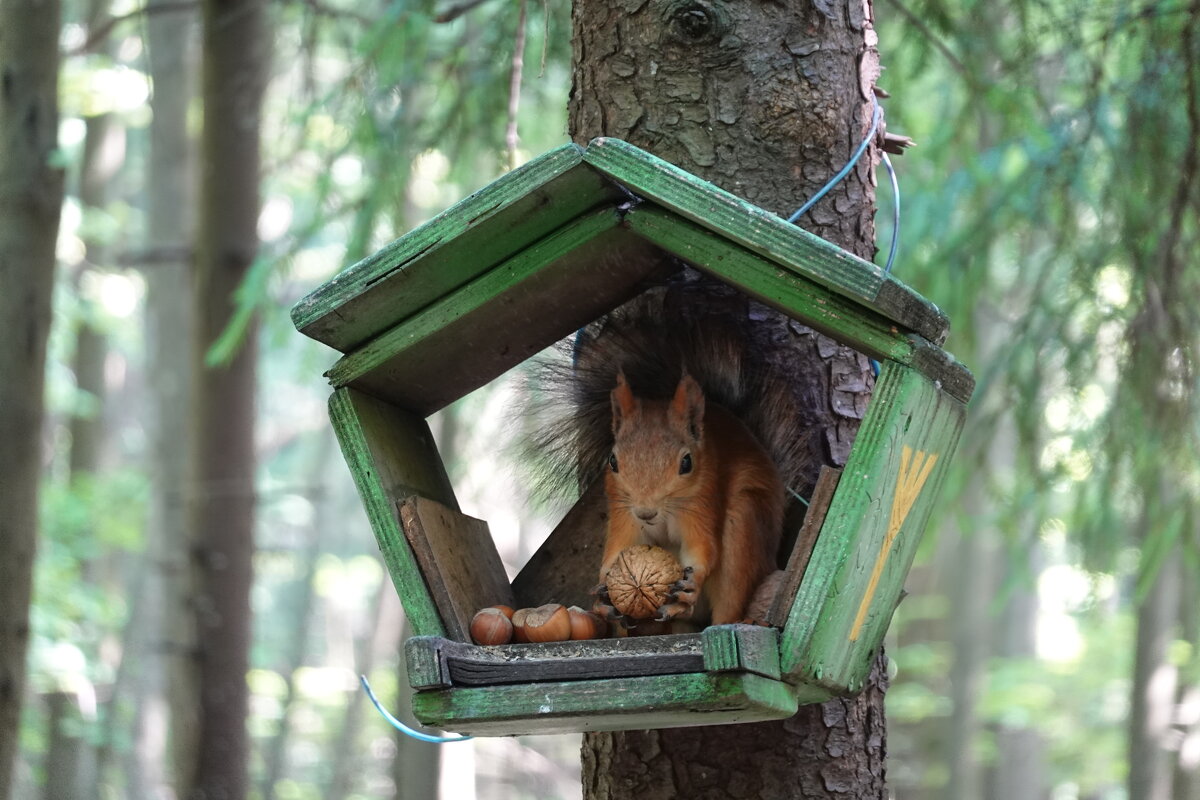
(691, 478)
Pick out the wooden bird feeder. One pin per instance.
(529, 259)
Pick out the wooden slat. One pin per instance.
(801, 299)
(458, 560)
(563, 661)
(818, 507)
(766, 234)
(503, 317)
(391, 455)
(620, 704)
(452, 249)
(886, 494)
(741, 648)
(567, 566)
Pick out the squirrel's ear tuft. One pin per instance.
(687, 407)
(624, 404)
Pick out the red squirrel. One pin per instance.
(688, 476)
(704, 432)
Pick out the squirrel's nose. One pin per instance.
(646, 514)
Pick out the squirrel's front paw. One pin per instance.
(682, 600)
(603, 606)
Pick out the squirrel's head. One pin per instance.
(656, 444)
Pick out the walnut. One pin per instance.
(640, 580)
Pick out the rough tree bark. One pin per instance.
(766, 100)
(31, 189)
(235, 53)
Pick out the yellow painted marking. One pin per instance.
(913, 474)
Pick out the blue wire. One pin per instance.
(887, 162)
(400, 726)
(844, 171)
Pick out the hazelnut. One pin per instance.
(491, 626)
(518, 622)
(548, 623)
(640, 580)
(586, 625)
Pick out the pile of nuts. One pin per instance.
(552, 622)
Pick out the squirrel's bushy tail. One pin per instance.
(569, 410)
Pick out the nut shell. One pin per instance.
(640, 580)
(520, 635)
(586, 625)
(548, 623)
(491, 626)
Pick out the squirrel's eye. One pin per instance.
(612, 461)
(685, 464)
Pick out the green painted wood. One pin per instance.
(799, 298)
(453, 248)
(391, 455)
(504, 316)
(741, 648)
(871, 532)
(767, 235)
(426, 667)
(628, 703)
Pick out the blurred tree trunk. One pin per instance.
(275, 757)
(168, 634)
(64, 744)
(1154, 680)
(767, 101)
(31, 190)
(1187, 765)
(236, 63)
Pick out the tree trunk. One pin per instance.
(169, 630)
(1154, 679)
(235, 53)
(767, 101)
(31, 189)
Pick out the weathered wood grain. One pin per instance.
(391, 455)
(452, 248)
(503, 317)
(766, 234)
(800, 298)
(885, 496)
(646, 702)
(458, 560)
(818, 507)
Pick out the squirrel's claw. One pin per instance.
(681, 600)
(604, 607)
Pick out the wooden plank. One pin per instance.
(741, 648)
(458, 560)
(801, 299)
(567, 566)
(562, 661)
(452, 248)
(656, 701)
(818, 507)
(426, 667)
(885, 496)
(505, 316)
(434, 661)
(391, 455)
(943, 369)
(766, 234)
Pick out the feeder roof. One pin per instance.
(564, 239)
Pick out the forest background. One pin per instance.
(1049, 646)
